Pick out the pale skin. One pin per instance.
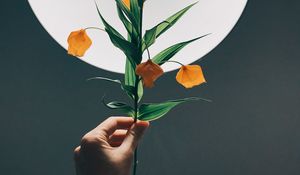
(108, 149)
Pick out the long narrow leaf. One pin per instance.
(129, 74)
(132, 34)
(130, 70)
(128, 13)
(140, 91)
(128, 89)
(141, 2)
(172, 20)
(168, 53)
(107, 25)
(156, 31)
(118, 40)
(124, 20)
(154, 111)
(119, 106)
(150, 36)
(135, 11)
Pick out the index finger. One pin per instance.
(110, 125)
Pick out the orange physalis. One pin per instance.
(149, 71)
(127, 3)
(190, 76)
(79, 42)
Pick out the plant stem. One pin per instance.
(171, 61)
(148, 52)
(135, 161)
(136, 99)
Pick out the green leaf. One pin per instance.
(140, 91)
(172, 20)
(168, 53)
(135, 10)
(132, 34)
(108, 26)
(118, 40)
(120, 106)
(130, 70)
(128, 13)
(156, 31)
(150, 37)
(141, 2)
(129, 74)
(130, 79)
(124, 20)
(151, 111)
(127, 88)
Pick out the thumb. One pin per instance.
(134, 135)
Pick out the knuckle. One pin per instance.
(89, 141)
(133, 133)
(112, 120)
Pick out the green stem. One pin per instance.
(135, 161)
(136, 99)
(148, 52)
(171, 61)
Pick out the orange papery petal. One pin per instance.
(127, 3)
(79, 42)
(190, 76)
(149, 71)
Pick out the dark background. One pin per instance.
(252, 127)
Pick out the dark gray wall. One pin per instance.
(252, 127)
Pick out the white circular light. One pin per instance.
(218, 17)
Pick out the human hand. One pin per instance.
(108, 149)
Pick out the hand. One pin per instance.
(108, 149)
